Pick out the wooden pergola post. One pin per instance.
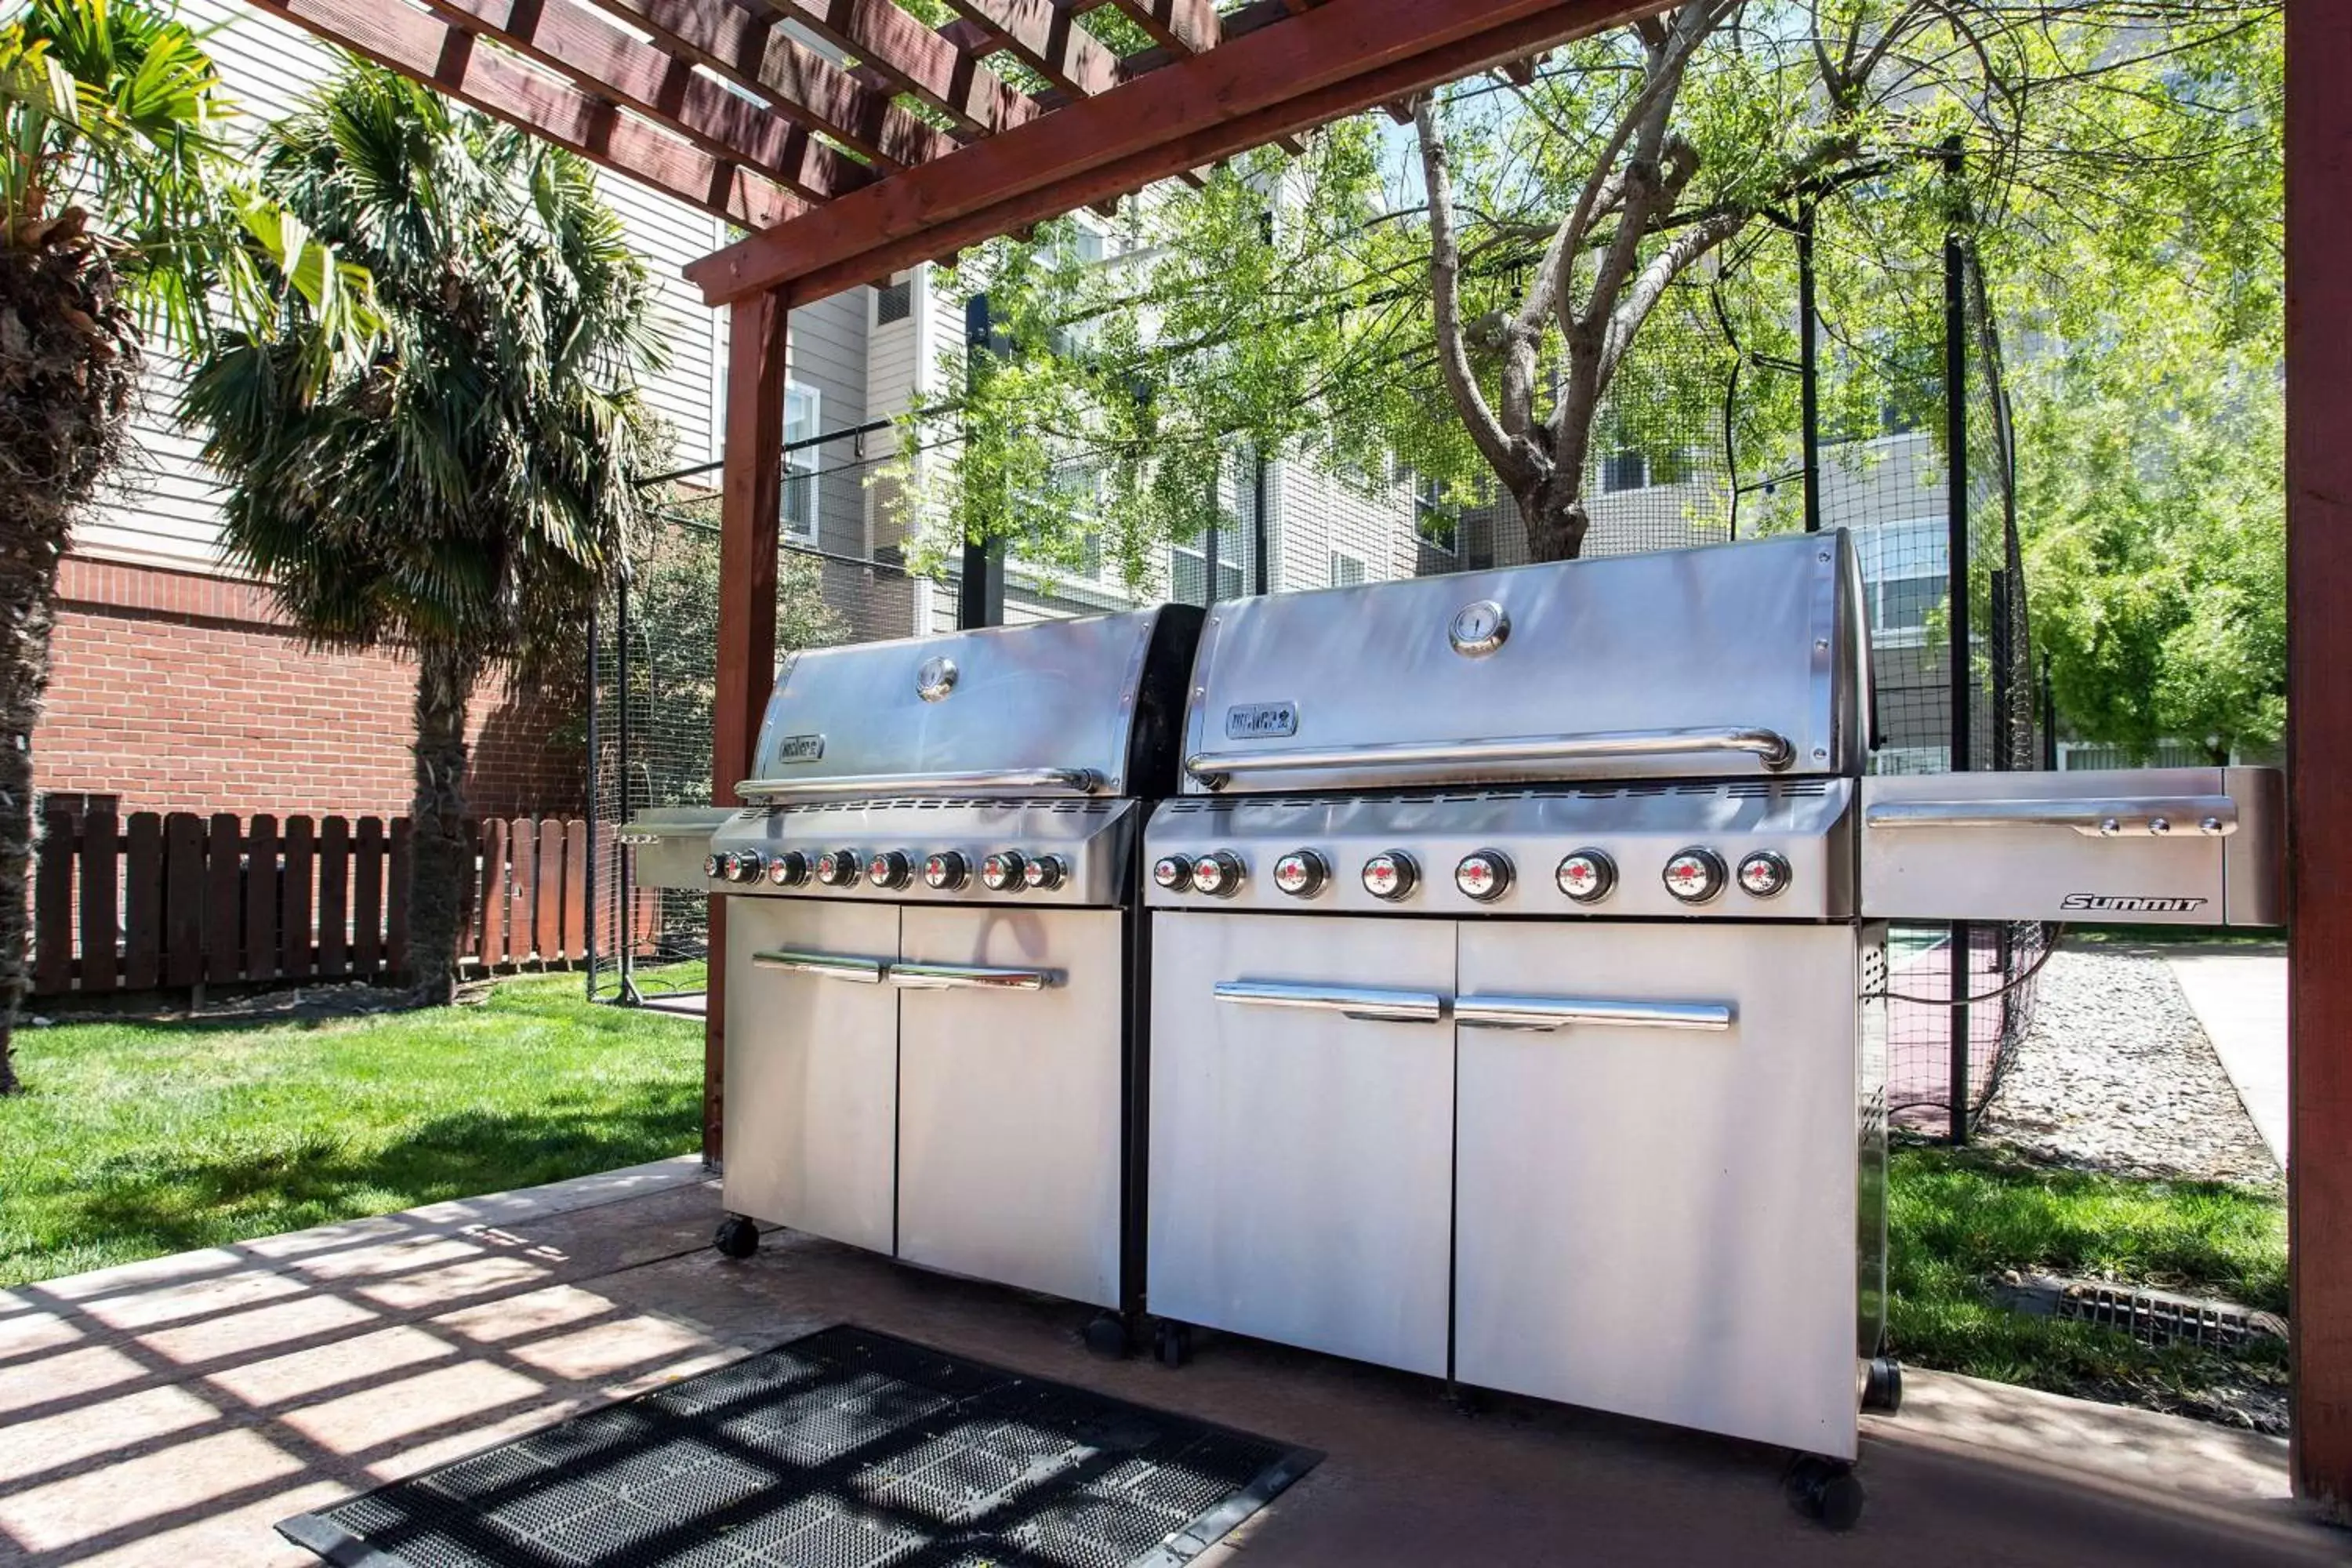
(750, 511)
(2319, 742)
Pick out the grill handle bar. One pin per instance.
(1769, 746)
(1546, 1012)
(966, 977)
(1363, 1004)
(1053, 781)
(823, 965)
(2122, 817)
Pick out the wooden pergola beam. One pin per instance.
(2319, 748)
(1048, 39)
(448, 57)
(750, 52)
(1334, 60)
(606, 62)
(915, 60)
(1184, 26)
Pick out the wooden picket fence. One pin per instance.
(182, 901)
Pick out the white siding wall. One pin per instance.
(1317, 515)
(166, 512)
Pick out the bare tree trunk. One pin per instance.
(29, 596)
(440, 861)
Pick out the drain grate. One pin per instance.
(2151, 1317)
(846, 1450)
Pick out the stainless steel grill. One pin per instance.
(1518, 972)
(932, 1042)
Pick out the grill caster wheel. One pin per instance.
(1826, 1491)
(1106, 1337)
(737, 1238)
(1172, 1343)
(1882, 1388)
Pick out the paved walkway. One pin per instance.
(2239, 995)
(169, 1412)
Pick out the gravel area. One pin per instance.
(2115, 1074)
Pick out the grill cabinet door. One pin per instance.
(811, 1065)
(1300, 1157)
(1659, 1219)
(1009, 1097)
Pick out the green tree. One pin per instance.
(2156, 560)
(1518, 286)
(458, 495)
(123, 218)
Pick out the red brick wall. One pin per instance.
(180, 691)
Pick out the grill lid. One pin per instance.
(1732, 659)
(1070, 706)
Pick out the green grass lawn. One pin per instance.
(1959, 1218)
(140, 1139)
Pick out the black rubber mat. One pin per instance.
(846, 1450)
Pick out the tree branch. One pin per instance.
(1507, 458)
(1641, 297)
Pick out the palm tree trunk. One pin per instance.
(28, 594)
(440, 860)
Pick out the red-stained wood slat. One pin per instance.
(807, 92)
(492, 922)
(2319, 746)
(1297, 74)
(522, 887)
(1187, 26)
(299, 924)
(917, 61)
(1048, 39)
(547, 926)
(224, 893)
(397, 864)
(419, 45)
(101, 884)
(367, 898)
(53, 898)
(184, 899)
(334, 892)
(575, 889)
(143, 902)
(262, 896)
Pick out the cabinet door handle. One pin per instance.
(823, 965)
(966, 977)
(1546, 1012)
(1371, 1006)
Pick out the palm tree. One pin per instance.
(121, 218)
(459, 494)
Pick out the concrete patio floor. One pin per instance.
(172, 1412)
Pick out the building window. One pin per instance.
(1905, 577)
(1189, 569)
(800, 462)
(1347, 571)
(894, 301)
(1626, 470)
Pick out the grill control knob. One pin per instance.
(1172, 873)
(714, 864)
(1695, 874)
(1764, 873)
(1046, 873)
(838, 868)
(744, 865)
(945, 871)
(789, 869)
(1218, 874)
(1301, 873)
(889, 868)
(1587, 876)
(1391, 876)
(1001, 872)
(1485, 876)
